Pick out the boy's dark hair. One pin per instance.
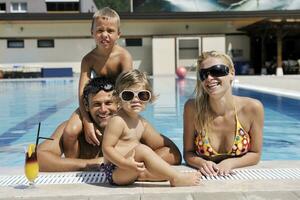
(97, 84)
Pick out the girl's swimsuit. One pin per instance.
(241, 144)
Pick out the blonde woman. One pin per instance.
(221, 131)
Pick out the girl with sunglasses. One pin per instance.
(125, 156)
(221, 131)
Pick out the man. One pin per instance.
(100, 104)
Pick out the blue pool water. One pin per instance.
(24, 103)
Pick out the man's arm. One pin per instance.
(50, 155)
(162, 145)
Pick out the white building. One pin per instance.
(158, 42)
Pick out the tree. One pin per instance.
(117, 5)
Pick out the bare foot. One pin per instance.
(186, 179)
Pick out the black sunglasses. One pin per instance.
(128, 95)
(215, 70)
(107, 87)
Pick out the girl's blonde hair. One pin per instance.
(131, 78)
(204, 113)
(106, 13)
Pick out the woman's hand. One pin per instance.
(209, 168)
(225, 167)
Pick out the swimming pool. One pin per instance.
(26, 102)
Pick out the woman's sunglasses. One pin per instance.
(128, 95)
(215, 71)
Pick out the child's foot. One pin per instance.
(186, 179)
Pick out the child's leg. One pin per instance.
(70, 136)
(124, 176)
(162, 170)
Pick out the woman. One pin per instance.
(221, 131)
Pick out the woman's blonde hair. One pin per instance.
(204, 113)
(106, 13)
(131, 78)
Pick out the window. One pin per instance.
(18, 7)
(188, 48)
(2, 8)
(15, 43)
(62, 6)
(45, 43)
(134, 42)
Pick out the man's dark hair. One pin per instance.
(97, 84)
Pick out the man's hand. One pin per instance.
(90, 134)
(94, 164)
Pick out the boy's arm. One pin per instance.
(126, 61)
(50, 152)
(89, 131)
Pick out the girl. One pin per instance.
(126, 158)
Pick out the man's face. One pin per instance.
(101, 107)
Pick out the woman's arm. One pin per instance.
(206, 167)
(255, 114)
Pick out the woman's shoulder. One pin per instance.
(248, 104)
(190, 106)
(190, 103)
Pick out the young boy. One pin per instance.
(125, 157)
(107, 59)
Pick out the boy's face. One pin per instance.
(105, 32)
(101, 107)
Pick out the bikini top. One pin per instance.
(241, 144)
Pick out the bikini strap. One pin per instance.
(238, 124)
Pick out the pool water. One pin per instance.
(24, 103)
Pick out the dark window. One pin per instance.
(134, 42)
(62, 6)
(2, 7)
(15, 43)
(45, 43)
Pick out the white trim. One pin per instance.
(61, 1)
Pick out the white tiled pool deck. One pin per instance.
(287, 189)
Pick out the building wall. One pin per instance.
(67, 53)
(142, 55)
(73, 40)
(87, 6)
(163, 55)
(33, 6)
(240, 47)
